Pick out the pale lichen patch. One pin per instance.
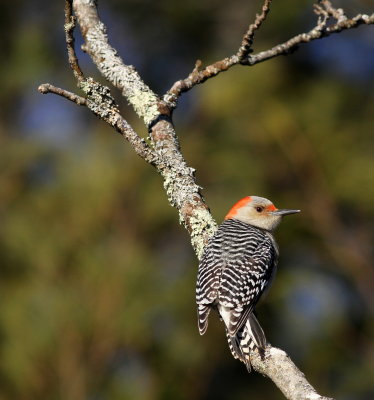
(144, 102)
(202, 227)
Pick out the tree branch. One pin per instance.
(163, 150)
(278, 366)
(99, 99)
(318, 32)
(70, 23)
(46, 88)
(243, 57)
(179, 180)
(109, 63)
(246, 46)
(100, 102)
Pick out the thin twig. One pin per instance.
(196, 77)
(70, 23)
(316, 33)
(337, 13)
(48, 88)
(246, 46)
(323, 9)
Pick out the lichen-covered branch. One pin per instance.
(103, 105)
(179, 181)
(110, 64)
(98, 98)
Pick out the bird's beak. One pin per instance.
(284, 212)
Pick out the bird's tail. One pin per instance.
(249, 337)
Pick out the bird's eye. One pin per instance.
(259, 209)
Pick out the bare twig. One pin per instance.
(317, 32)
(48, 88)
(195, 78)
(246, 46)
(70, 22)
(199, 76)
(336, 13)
(323, 9)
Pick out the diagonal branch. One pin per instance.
(323, 9)
(278, 366)
(46, 88)
(99, 99)
(246, 46)
(102, 105)
(179, 180)
(109, 63)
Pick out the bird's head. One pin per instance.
(259, 212)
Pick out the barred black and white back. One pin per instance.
(236, 268)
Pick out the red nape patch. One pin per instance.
(271, 208)
(241, 203)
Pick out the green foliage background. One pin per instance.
(97, 277)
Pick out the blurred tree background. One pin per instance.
(97, 276)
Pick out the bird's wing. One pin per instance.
(208, 280)
(243, 281)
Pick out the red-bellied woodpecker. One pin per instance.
(237, 267)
